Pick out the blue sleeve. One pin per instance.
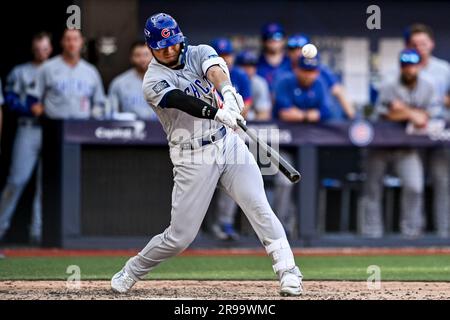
(243, 83)
(283, 95)
(324, 102)
(13, 102)
(328, 76)
(279, 75)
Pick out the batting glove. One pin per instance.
(231, 99)
(228, 118)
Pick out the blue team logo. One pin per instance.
(361, 133)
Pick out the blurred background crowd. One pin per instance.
(404, 82)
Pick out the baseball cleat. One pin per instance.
(122, 282)
(291, 283)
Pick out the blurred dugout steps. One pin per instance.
(347, 187)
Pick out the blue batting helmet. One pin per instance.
(162, 31)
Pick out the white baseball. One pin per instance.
(309, 50)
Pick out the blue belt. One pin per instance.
(216, 136)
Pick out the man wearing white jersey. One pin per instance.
(67, 86)
(125, 92)
(28, 139)
(436, 71)
(180, 85)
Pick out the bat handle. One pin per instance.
(242, 125)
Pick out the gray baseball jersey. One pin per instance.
(422, 96)
(22, 80)
(178, 125)
(125, 95)
(260, 96)
(437, 72)
(69, 92)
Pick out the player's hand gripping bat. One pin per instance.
(289, 171)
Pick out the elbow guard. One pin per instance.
(213, 62)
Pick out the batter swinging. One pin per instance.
(180, 85)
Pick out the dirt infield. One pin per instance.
(317, 290)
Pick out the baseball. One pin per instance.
(309, 50)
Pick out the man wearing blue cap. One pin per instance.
(299, 97)
(273, 57)
(340, 105)
(407, 99)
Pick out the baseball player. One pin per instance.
(300, 97)
(28, 140)
(407, 99)
(261, 106)
(273, 57)
(181, 85)
(437, 72)
(340, 106)
(125, 91)
(67, 86)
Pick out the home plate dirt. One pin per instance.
(253, 290)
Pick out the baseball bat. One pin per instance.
(289, 171)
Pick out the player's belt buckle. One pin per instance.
(216, 136)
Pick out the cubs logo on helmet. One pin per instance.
(165, 33)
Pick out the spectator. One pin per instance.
(340, 106)
(407, 99)
(261, 106)
(67, 86)
(28, 139)
(125, 91)
(273, 57)
(437, 72)
(299, 97)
